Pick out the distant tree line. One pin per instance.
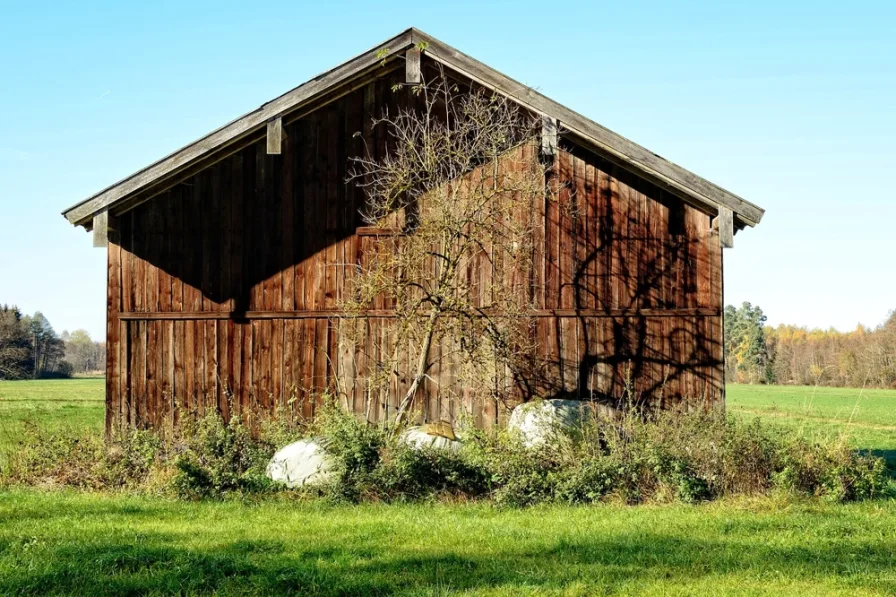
(83, 352)
(31, 349)
(787, 354)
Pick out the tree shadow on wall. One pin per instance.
(637, 250)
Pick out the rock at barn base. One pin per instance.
(545, 421)
(438, 436)
(304, 463)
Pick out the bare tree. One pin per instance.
(82, 352)
(453, 199)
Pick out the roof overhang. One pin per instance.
(142, 185)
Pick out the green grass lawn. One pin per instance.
(55, 542)
(70, 543)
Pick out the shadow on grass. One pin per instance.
(156, 564)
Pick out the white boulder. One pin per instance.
(302, 463)
(545, 421)
(438, 436)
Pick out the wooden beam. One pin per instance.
(725, 224)
(275, 136)
(390, 313)
(412, 74)
(548, 135)
(101, 229)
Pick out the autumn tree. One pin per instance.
(29, 347)
(452, 198)
(861, 357)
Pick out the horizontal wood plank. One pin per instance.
(389, 313)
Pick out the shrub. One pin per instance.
(215, 458)
(592, 480)
(355, 447)
(661, 457)
(832, 471)
(520, 476)
(408, 473)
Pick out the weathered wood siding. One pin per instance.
(222, 291)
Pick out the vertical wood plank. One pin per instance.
(308, 351)
(176, 238)
(247, 372)
(139, 375)
(124, 382)
(238, 280)
(189, 368)
(412, 71)
(113, 340)
(288, 226)
(277, 363)
(236, 368)
(180, 402)
(161, 238)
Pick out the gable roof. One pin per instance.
(141, 185)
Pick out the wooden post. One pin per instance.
(725, 224)
(275, 135)
(549, 138)
(412, 74)
(101, 229)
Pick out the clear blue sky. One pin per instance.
(791, 105)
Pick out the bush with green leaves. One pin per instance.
(661, 457)
(410, 473)
(354, 446)
(832, 471)
(214, 458)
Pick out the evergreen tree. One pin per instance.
(746, 352)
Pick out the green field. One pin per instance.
(55, 542)
(56, 405)
(867, 416)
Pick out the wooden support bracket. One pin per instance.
(412, 75)
(549, 136)
(275, 135)
(724, 223)
(101, 228)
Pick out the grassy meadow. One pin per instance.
(54, 404)
(866, 416)
(65, 542)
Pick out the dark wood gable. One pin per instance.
(223, 288)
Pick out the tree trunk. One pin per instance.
(422, 367)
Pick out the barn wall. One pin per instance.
(222, 290)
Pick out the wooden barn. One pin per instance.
(228, 260)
